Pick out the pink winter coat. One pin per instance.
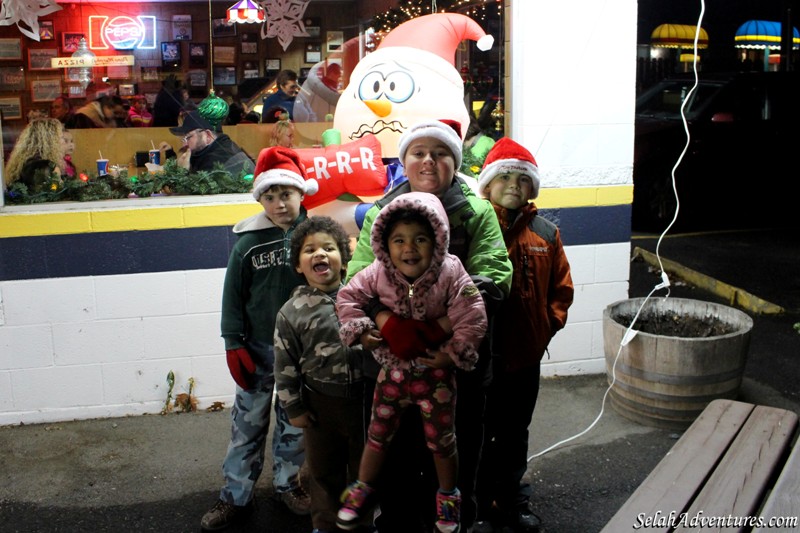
(444, 288)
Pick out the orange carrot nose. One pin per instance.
(380, 107)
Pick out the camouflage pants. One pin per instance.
(250, 417)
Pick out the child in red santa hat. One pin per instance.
(541, 293)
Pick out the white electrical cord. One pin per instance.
(630, 333)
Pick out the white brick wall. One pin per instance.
(102, 346)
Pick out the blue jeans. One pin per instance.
(250, 417)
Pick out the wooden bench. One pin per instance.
(737, 459)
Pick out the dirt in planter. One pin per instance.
(676, 325)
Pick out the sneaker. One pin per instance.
(297, 500)
(448, 509)
(483, 526)
(527, 521)
(224, 514)
(356, 501)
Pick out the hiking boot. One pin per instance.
(297, 500)
(224, 514)
(356, 502)
(448, 510)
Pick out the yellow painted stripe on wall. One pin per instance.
(47, 223)
(584, 196)
(32, 224)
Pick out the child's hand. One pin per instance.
(371, 339)
(435, 359)
(306, 420)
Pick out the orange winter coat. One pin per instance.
(541, 288)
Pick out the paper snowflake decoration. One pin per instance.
(284, 20)
(25, 14)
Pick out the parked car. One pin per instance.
(741, 154)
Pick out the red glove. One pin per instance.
(242, 367)
(404, 337)
(433, 334)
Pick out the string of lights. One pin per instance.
(478, 10)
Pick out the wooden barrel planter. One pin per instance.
(686, 354)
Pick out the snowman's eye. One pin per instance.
(399, 86)
(371, 86)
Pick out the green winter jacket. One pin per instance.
(259, 279)
(475, 237)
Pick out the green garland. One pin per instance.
(174, 180)
(470, 164)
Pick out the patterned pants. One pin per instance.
(250, 417)
(432, 389)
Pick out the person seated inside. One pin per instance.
(288, 88)
(202, 147)
(61, 109)
(105, 112)
(138, 115)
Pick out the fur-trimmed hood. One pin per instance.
(428, 206)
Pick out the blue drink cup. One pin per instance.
(102, 167)
(155, 157)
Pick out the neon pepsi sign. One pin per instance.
(122, 33)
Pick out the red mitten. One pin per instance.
(242, 367)
(433, 334)
(403, 337)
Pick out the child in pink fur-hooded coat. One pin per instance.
(417, 354)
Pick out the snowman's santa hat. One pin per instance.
(439, 34)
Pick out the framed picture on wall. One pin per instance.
(249, 43)
(224, 75)
(39, 58)
(45, 90)
(221, 28)
(197, 78)
(313, 52)
(70, 40)
(11, 48)
(181, 27)
(198, 55)
(334, 40)
(46, 31)
(171, 52)
(312, 27)
(11, 107)
(150, 74)
(171, 55)
(76, 91)
(225, 55)
(12, 78)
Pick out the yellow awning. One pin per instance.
(678, 36)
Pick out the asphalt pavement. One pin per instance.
(161, 473)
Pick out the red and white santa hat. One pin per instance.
(437, 33)
(281, 166)
(508, 156)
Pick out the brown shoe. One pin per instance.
(224, 514)
(298, 501)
